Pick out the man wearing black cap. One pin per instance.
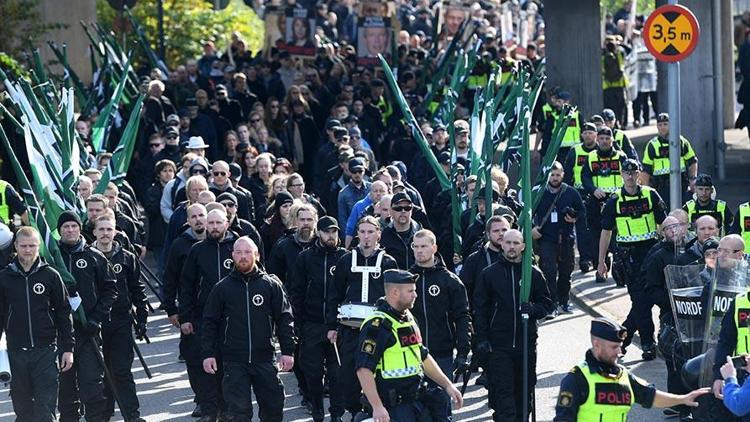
(656, 165)
(391, 359)
(601, 178)
(308, 291)
(601, 389)
(497, 320)
(442, 303)
(634, 214)
(703, 203)
(572, 134)
(354, 191)
(358, 279)
(97, 289)
(397, 236)
(621, 140)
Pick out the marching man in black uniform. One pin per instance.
(97, 289)
(208, 261)
(497, 317)
(251, 307)
(35, 316)
(442, 314)
(358, 280)
(313, 272)
(599, 389)
(117, 333)
(391, 359)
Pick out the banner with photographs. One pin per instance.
(300, 32)
(452, 15)
(373, 38)
(275, 23)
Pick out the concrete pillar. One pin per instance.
(573, 51)
(727, 56)
(70, 13)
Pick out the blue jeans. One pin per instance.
(436, 400)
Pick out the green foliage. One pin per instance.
(12, 67)
(22, 26)
(643, 7)
(190, 23)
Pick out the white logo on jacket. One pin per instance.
(258, 300)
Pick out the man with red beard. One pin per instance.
(248, 303)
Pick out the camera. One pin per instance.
(570, 212)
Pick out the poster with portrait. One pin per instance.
(452, 15)
(300, 32)
(373, 37)
(375, 8)
(275, 24)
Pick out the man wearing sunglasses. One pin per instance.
(397, 236)
(221, 183)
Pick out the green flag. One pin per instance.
(118, 165)
(101, 129)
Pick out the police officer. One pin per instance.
(97, 289)
(313, 271)
(391, 360)
(599, 389)
(621, 140)
(741, 224)
(365, 263)
(252, 306)
(573, 168)
(656, 162)
(117, 333)
(572, 134)
(704, 204)
(634, 213)
(734, 333)
(208, 261)
(195, 232)
(601, 178)
(559, 209)
(486, 255)
(442, 304)
(497, 318)
(397, 236)
(36, 319)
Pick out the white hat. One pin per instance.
(196, 142)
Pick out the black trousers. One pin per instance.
(556, 260)
(207, 387)
(641, 107)
(33, 388)
(318, 359)
(239, 378)
(505, 383)
(614, 98)
(83, 383)
(347, 390)
(594, 222)
(639, 318)
(117, 347)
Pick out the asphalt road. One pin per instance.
(562, 344)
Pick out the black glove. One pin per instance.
(526, 308)
(91, 328)
(461, 363)
(140, 330)
(484, 347)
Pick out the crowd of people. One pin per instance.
(289, 212)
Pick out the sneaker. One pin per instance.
(671, 412)
(649, 352)
(585, 266)
(552, 315)
(565, 309)
(599, 279)
(181, 358)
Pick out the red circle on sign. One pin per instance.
(687, 14)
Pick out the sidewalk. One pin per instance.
(608, 300)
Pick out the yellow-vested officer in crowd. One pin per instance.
(600, 390)
(391, 360)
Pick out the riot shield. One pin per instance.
(687, 288)
(729, 278)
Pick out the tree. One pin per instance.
(22, 26)
(190, 23)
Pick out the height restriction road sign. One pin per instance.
(671, 33)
